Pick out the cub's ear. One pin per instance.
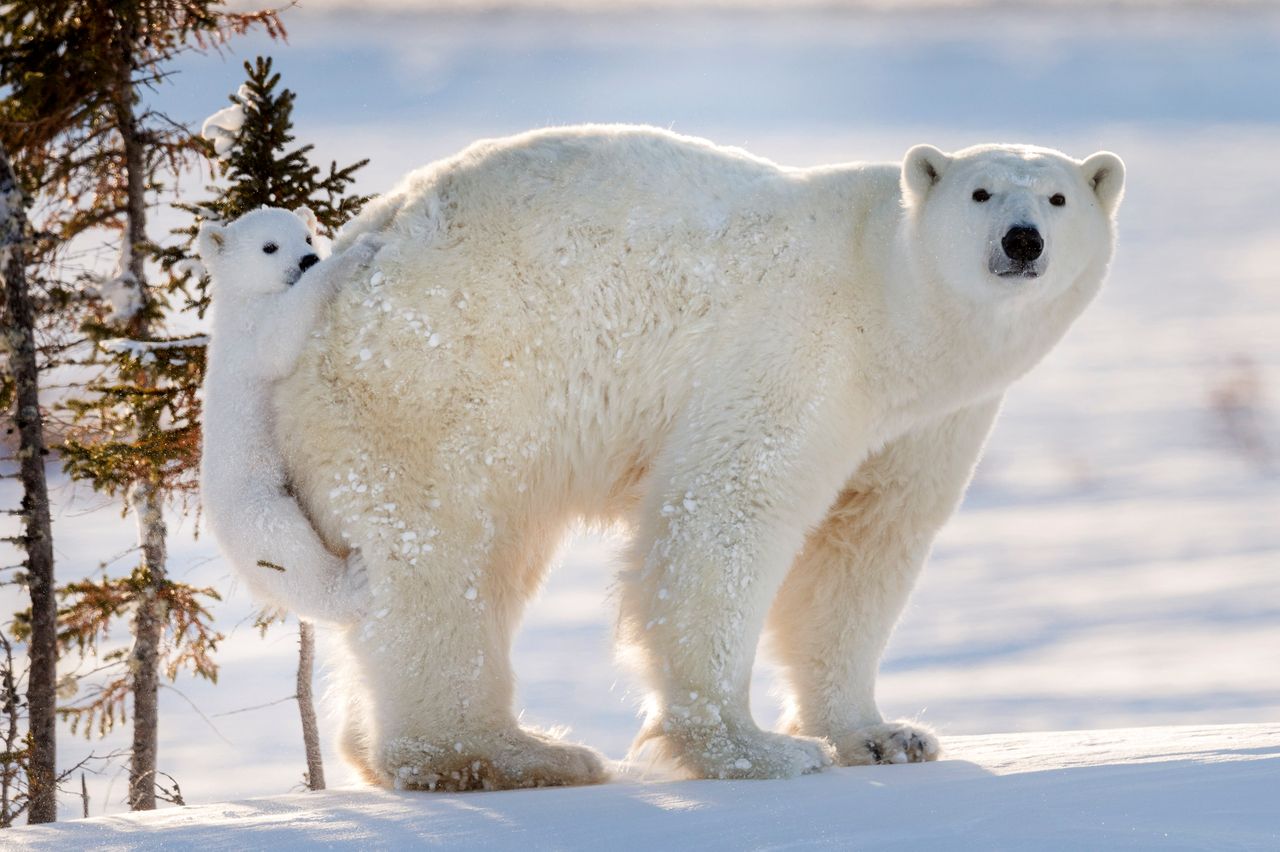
(922, 167)
(308, 218)
(1104, 173)
(210, 241)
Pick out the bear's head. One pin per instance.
(997, 220)
(262, 252)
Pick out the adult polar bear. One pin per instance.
(779, 378)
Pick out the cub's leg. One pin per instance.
(280, 557)
(838, 605)
(434, 658)
(726, 515)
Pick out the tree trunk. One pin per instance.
(144, 660)
(144, 498)
(306, 706)
(37, 535)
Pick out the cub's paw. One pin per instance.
(346, 598)
(888, 742)
(737, 751)
(502, 760)
(367, 245)
(352, 585)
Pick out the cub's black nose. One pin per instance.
(311, 260)
(1022, 244)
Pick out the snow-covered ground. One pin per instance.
(1117, 560)
(1147, 788)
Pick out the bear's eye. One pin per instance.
(270, 248)
(981, 195)
(308, 241)
(1057, 199)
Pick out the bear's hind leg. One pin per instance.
(355, 729)
(435, 656)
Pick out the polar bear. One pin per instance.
(778, 379)
(268, 289)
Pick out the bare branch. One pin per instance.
(199, 712)
(256, 707)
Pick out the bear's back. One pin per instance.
(607, 171)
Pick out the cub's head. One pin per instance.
(997, 220)
(262, 252)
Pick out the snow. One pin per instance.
(1149, 788)
(223, 127)
(143, 351)
(189, 266)
(137, 348)
(120, 291)
(1114, 564)
(122, 295)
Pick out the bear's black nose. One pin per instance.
(1022, 244)
(311, 260)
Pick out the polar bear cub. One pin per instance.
(268, 287)
(779, 380)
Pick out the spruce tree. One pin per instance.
(260, 169)
(250, 143)
(75, 123)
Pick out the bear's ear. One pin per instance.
(210, 241)
(1104, 173)
(923, 167)
(308, 218)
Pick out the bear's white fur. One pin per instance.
(268, 289)
(779, 379)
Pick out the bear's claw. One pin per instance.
(888, 742)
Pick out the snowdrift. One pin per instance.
(1138, 788)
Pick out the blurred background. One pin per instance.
(1117, 559)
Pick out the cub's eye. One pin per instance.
(308, 241)
(269, 248)
(981, 195)
(1057, 199)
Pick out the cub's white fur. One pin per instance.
(780, 379)
(268, 288)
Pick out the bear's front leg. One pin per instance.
(838, 605)
(732, 498)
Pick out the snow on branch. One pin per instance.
(143, 351)
(122, 291)
(135, 347)
(223, 128)
(124, 296)
(189, 266)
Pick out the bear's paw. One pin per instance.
(500, 761)
(736, 752)
(887, 742)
